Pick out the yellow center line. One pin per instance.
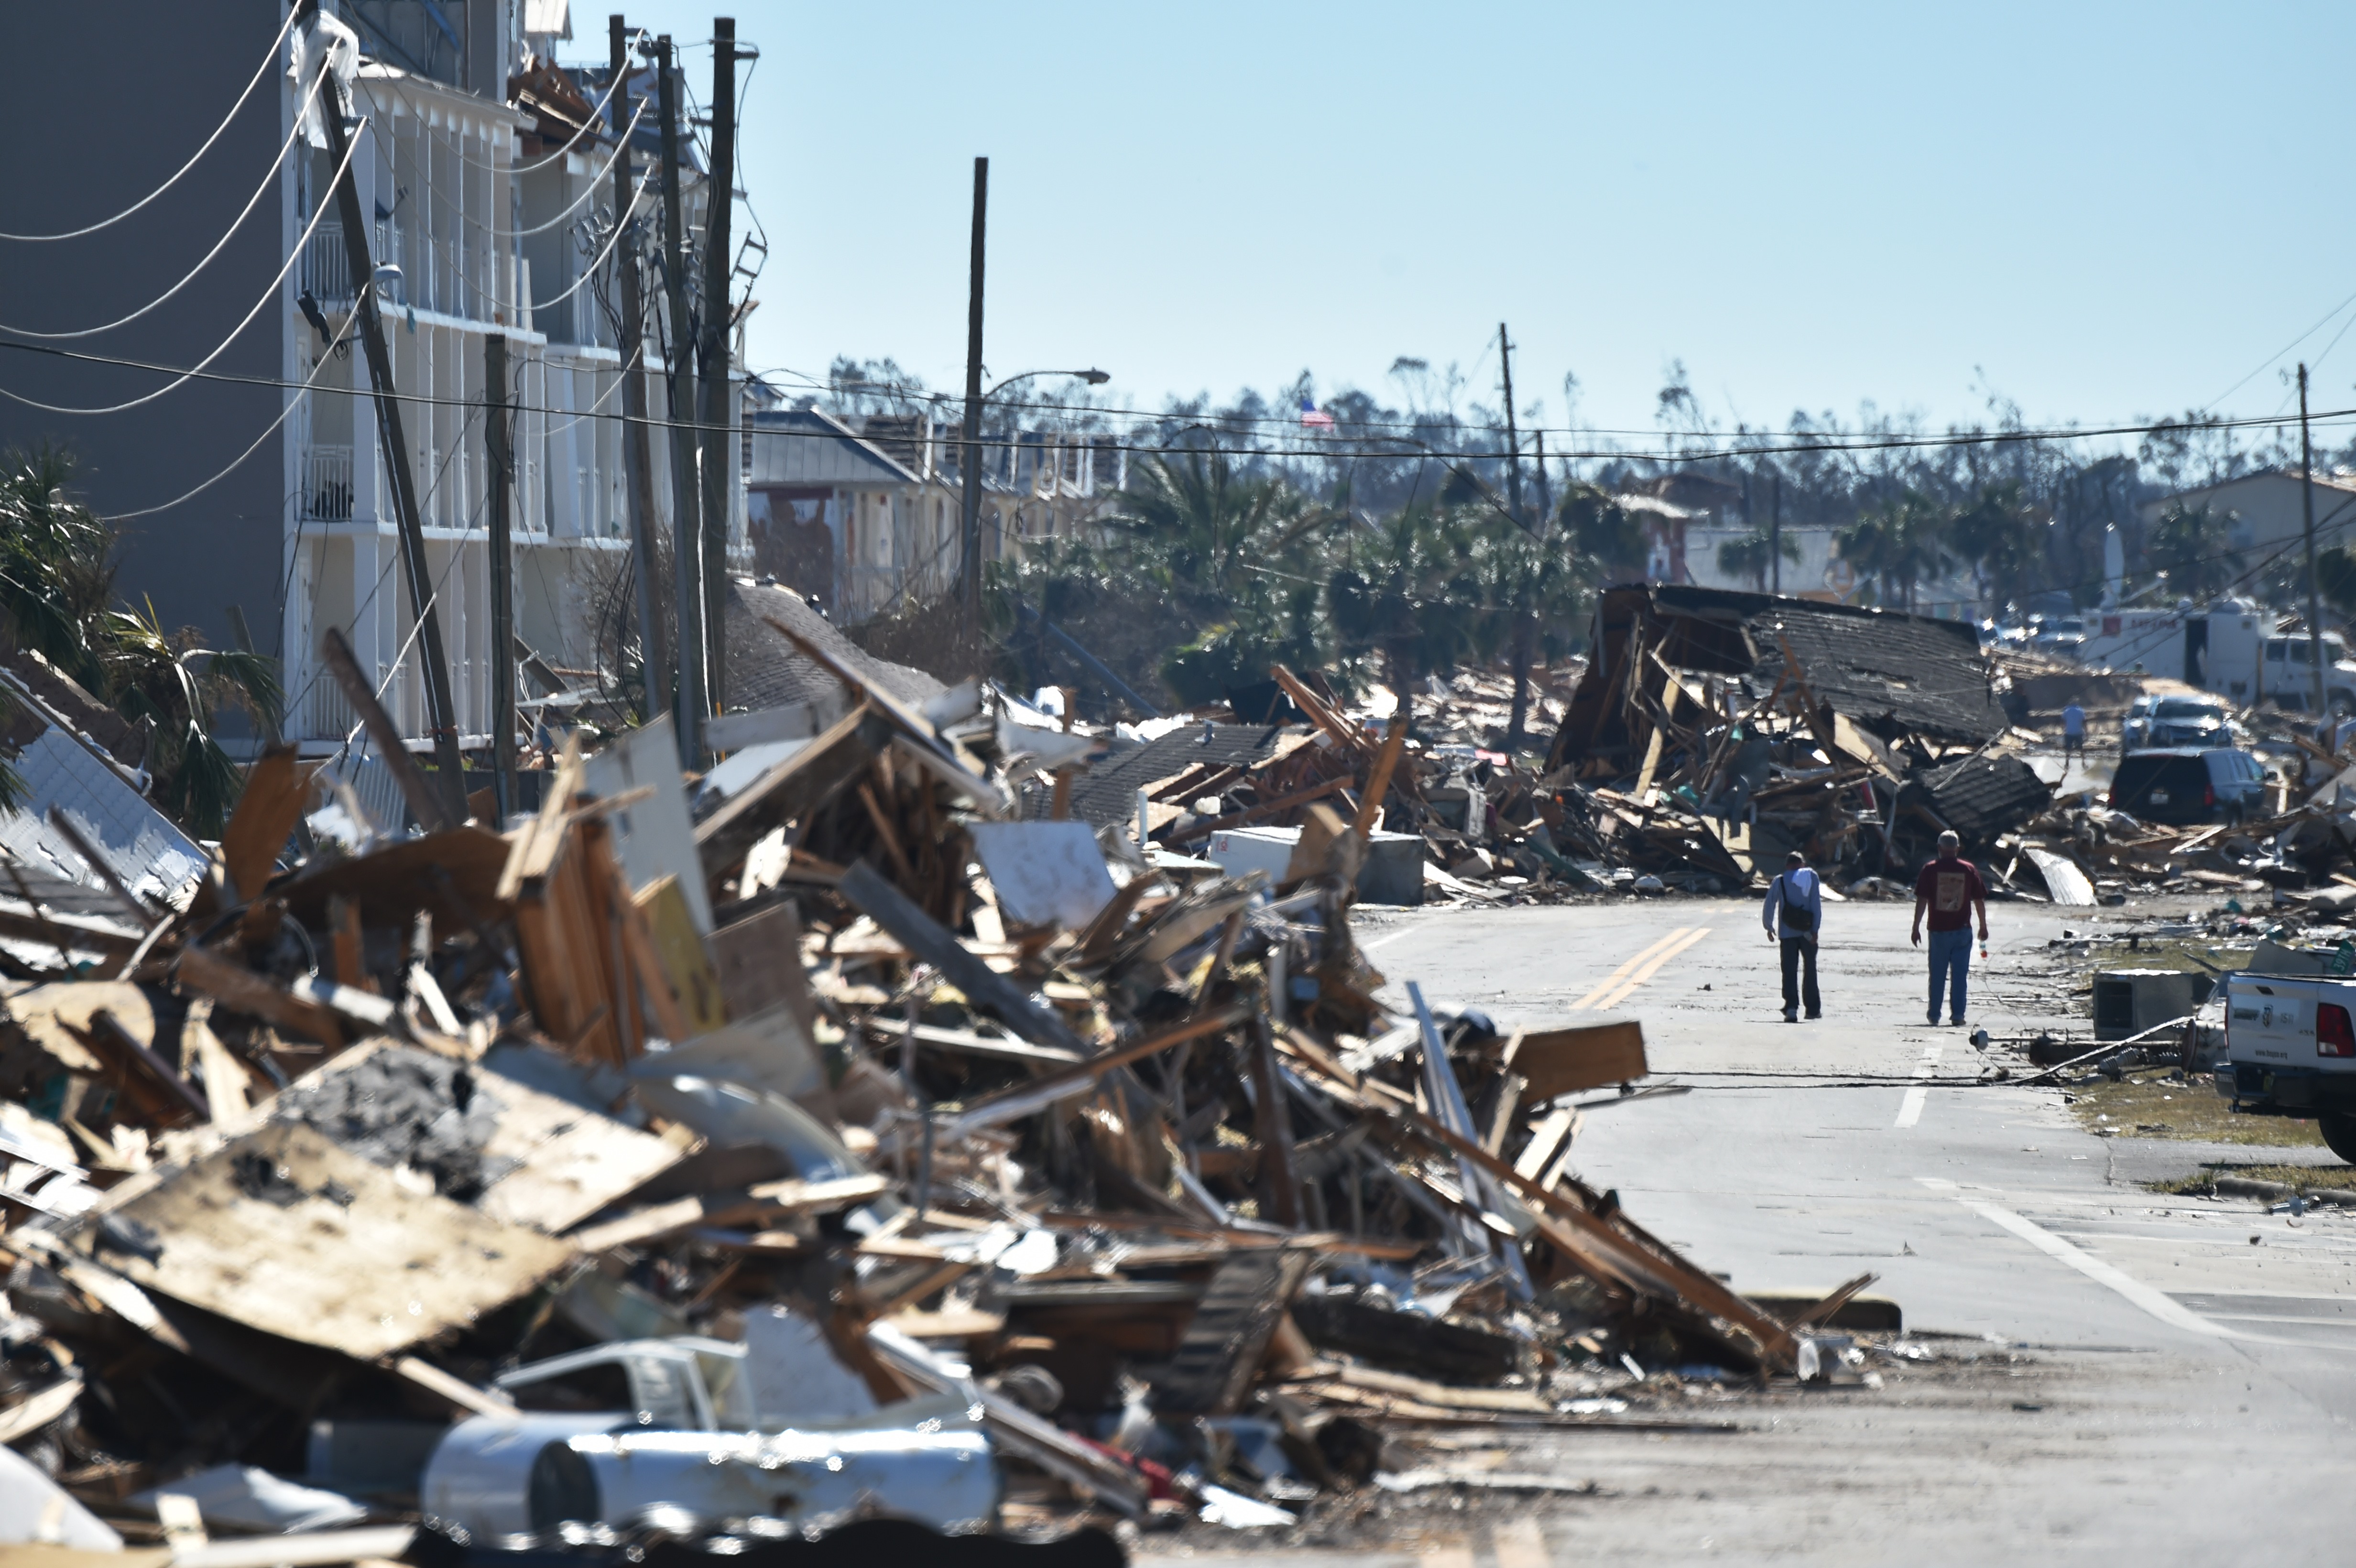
(1623, 972)
(1653, 966)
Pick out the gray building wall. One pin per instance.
(108, 100)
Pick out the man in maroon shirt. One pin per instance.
(1950, 888)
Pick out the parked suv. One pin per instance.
(2187, 784)
(2187, 722)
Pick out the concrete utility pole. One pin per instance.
(970, 521)
(441, 710)
(2314, 587)
(637, 458)
(495, 435)
(687, 541)
(720, 460)
(1512, 440)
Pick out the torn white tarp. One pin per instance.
(246, 1499)
(36, 1511)
(1045, 873)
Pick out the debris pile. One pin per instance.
(829, 1134)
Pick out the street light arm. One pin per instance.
(1093, 377)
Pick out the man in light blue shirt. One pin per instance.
(1794, 914)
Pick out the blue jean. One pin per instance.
(1950, 951)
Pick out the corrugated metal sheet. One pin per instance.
(141, 847)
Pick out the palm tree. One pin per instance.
(1900, 542)
(1407, 591)
(2193, 547)
(177, 687)
(1753, 555)
(57, 591)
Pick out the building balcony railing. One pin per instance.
(327, 270)
(324, 489)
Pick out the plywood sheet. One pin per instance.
(1566, 1060)
(285, 1233)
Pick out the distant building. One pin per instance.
(2268, 510)
(867, 518)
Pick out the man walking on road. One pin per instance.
(1793, 914)
(1950, 888)
(2073, 732)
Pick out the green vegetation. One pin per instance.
(2148, 1105)
(58, 598)
(2341, 1177)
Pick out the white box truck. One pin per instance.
(2233, 648)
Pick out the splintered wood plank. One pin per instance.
(267, 810)
(573, 1162)
(759, 961)
(686, 964)
(1220, 1354)
(285, 1233)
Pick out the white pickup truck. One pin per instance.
(2290, 1050)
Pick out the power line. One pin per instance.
(268, 58)
(269, 179)
(271, 429)
(1225, 421)
(199, 373)
(1400, 447)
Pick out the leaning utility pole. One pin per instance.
(630, 338)
(687, 541)
(441, 714)
(1512, 440)
(2314, 587)
(720, 463)
(495, 438)
(970, 521)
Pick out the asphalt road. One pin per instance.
(2163, 1377)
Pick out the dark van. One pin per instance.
(2187, 784)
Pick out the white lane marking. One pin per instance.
(1653, 966)
(1386, 941)
(2156, 1303)
(1909, 1109)
(1624, 970)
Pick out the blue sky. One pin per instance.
(2098, 211)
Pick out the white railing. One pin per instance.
(327, 270)
(326, 493)
(326, 716)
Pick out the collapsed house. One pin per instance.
(1724, 728)
(829, 1136)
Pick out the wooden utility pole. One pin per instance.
(1545, 489)
(1775, 535)
(2314, 587)
(970, 522)
(496, 437)
(1512, 440)
(441, 712)
(630, 339)
(719, 459)
(687, 537)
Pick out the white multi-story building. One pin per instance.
(483, 222)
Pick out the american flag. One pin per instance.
(1314, 418)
